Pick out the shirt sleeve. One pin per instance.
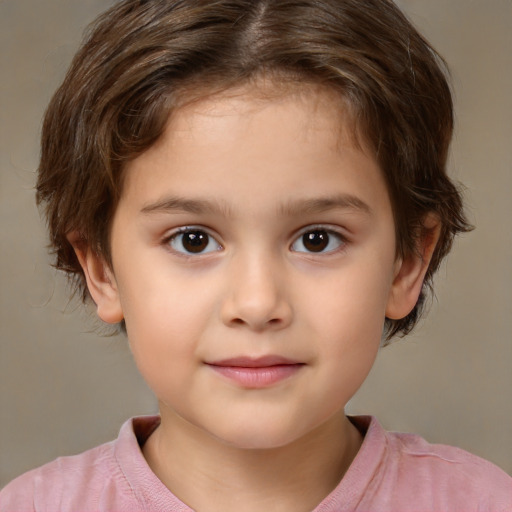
(18, 496)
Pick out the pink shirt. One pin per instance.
(391, 473)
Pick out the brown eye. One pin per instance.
(193, 241)
(315, 241)
(318, 241)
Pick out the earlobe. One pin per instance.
(100, 280)
(410, 271)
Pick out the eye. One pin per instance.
(193, 241)
(318, 241)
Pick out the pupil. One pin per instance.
(315, 241)
(195, 241)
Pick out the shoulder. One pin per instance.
(457, 479)
(80, 482)
(408, 473)
(49, 486)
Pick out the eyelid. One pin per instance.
(167, 239)
(330, 230)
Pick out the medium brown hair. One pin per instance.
(141, 56)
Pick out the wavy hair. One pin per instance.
(142, 57)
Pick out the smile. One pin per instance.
(256, 373)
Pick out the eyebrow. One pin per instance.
(323, 204)
(176, 204)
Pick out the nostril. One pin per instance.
(271, 322)
(256, 311)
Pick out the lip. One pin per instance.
(255, 373)
(255, 362)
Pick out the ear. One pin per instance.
(410, 271)
(100, 280)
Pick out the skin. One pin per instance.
(253, 174)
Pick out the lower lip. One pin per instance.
(260, 377)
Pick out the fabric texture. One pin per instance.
(392, 472)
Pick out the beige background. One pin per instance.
(64, 389)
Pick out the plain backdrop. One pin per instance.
(64, 388)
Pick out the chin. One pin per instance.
(258, 436)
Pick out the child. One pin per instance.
(254, 191)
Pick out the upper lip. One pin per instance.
(255, 362)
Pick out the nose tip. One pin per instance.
(258, 301)
(257, 321)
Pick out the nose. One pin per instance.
(257, 295)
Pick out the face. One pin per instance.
(253, 259)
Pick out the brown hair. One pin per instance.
(140, 55)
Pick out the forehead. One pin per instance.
(260, 140)
(314, 106)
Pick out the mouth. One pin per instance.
(255, 373)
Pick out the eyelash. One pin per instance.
(340, 241)
(168, 241)
(330, 232)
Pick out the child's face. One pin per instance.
(253, 229)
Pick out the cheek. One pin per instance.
(351, 340)
(351, 331)
(165, 317)
(159, 296)
(352, 304)
(348, 318)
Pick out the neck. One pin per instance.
(209, 475)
